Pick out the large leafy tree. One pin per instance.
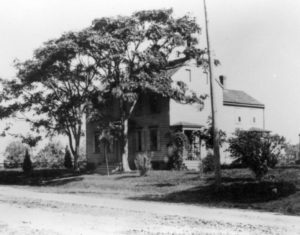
(55, 88)
(133, 55)
(114, 61)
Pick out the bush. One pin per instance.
(143, 163)
(14, 154)
(208, 163)
(91, 166)
(51, 156)
(27, 164)
(178, 141)
(68, 159)
(256, 150)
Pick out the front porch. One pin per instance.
(195, 151)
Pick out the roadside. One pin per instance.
(51, 213)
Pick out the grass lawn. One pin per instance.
(239, 188)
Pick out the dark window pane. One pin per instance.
(155, 106)
(97, 142)
(153, 139)
(139, 141)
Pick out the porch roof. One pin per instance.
(187, 125)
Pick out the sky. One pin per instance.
(257, 42)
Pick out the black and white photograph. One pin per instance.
(155, 117)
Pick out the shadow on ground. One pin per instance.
(39, 177)
(232, 191)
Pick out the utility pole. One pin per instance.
(215, 130)
(298, 157)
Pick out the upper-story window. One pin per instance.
(189, 74)
(139, 108)
(154, 104)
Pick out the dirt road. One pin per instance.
(27, 212)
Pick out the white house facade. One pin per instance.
(154, 117)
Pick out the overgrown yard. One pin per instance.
(279, 191)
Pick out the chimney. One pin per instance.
(222, 79)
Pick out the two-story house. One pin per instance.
(155, 116)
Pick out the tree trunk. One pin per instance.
(106, 159)
(76, 156)
(125, 151)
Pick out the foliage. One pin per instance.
(178, 141)
(27, 164)
(112, 62)
(56, 86)
(291, 152)
(143, 163)
(14, 154)
(31, 140)
(208, 163)
(134, 54)
(206, 134)
(256, 150)
(68, 159)
(51, 156)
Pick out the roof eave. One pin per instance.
(238, 104)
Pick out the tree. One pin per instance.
(116, 60)
(68, 160)
(133, 55)
(106, 138)
(14, 154)
(206, 134)
(55, 87)
(256, 150)
(27, 164)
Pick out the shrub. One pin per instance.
(208, 163)
(91, 166)
(143, 163)
(27, 164)
(256, 150)
(51, 156)
(68, 159)
(14, 154)
(178, 141)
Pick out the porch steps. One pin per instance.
(112, 168)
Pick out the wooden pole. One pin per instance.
(215, 132)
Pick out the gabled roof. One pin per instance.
(171, 71)
(240, 98)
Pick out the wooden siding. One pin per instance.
(142, 119)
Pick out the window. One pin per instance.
(154, 104)
(153, 139)
(97, 142)
(140, 106)
(139, 144)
